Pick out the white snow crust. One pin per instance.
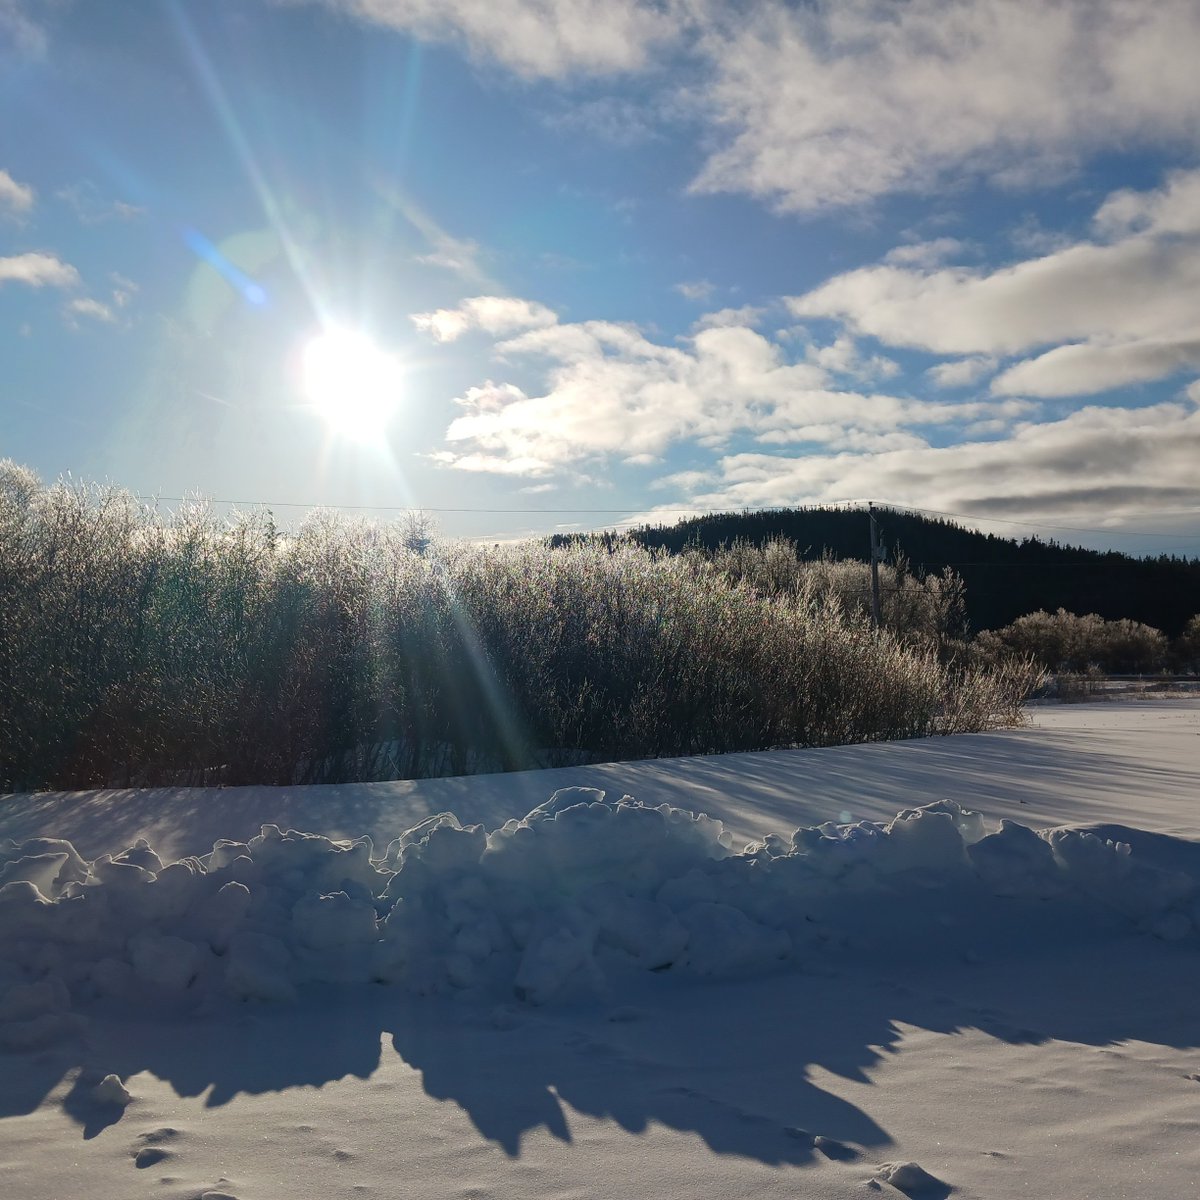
(572, 899)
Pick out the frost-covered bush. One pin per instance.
(918, 609)
(1063, 641)
(1186, 650)
(142, 649)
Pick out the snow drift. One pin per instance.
(567, 901)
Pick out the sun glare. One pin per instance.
(352, 383)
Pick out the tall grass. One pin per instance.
(138, 649)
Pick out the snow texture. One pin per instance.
(566, 902)
(910, 1178)
(110, 1090)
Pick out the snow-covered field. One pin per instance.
(615, 999)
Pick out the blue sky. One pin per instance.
(563, 256)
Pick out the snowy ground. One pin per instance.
(615, 1000)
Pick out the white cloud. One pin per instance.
(38, 270)
(16, 197)
(93, 309)
(497, 315)
(1097, 366)
(1103, 314)
(1030, 236)
(123, 289)
(616, 120)
(925, 254)
(1174, 208)
(549, 38)
(93, 208)
(1138, 287)
(961, 372)
(1110, 313)
(837, 103)
(842, 357)
(610, 391)
(831, 437)
(1104, 465)
(27, 35)
(747, 315)
(456, 254)
(699, 290)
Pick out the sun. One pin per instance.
(352, 383)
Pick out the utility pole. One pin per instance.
(876, 555)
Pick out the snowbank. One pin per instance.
(567, 901)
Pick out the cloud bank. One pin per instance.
(534, 38)
(1114, 310)
(1096, 464)
(839, 102)
(612, 392)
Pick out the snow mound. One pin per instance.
(567, 901)
(110, 1090)
(910, 1178)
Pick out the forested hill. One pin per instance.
(1004, 578)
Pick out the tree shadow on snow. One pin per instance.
(738, 1064)
(1034, 776)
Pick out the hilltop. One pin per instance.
(1004, 577)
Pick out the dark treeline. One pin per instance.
(1004, 578)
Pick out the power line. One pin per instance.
(441, 509)
(398, 507)
(693, 509)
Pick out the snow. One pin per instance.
(110, 1090)
(566, 902)
(1113, 762)
(610, 995)
(910, 1178)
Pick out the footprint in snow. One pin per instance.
(147, 1156)
(217, 1193)
(151, 1147)
(156, 1137)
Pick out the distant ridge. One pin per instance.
(1005, 578)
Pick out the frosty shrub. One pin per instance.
(1065, 642)
(137, 649)
(921, 610)
(1186, 649)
